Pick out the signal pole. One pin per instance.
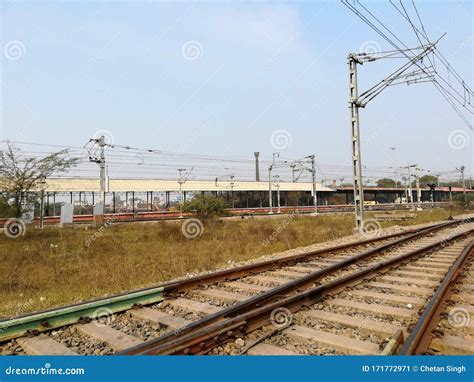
(313, 173)
(404, 178)
(43, 186)
(410, 189)
(270, 202)
(418, 189)
(293, 169)
(461, 170)
(232, 189)
(231, 185)
(181, 181)
(102, 170)
(278, 192)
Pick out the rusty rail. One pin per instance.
(420, 337)
(70, 314)
(254, 311)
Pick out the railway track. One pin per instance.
(373, 317)
(315, 303)
(446, 325)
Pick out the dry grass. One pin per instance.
(54, 266)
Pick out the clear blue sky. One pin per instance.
(261, 67)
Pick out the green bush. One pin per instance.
(205, 206)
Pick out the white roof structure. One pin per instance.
(143, 185)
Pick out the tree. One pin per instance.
(386, 182)
(21, 175)
(205, 206)
(428, 179)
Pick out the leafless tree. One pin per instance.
(21, 176)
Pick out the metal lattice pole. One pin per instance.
(418, 189)
(232, 189)
(102, 170)
(410, 190)
(315, 195)
(278, 193)
(356, 155)
(180, 182)
(461, 170)
(270, 202)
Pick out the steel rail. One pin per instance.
(419, 339)
(207, 338)
(55, 318)
(293, 285)
(245, 270)
(177, 340)
(70, 314)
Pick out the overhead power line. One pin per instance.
(458, 101)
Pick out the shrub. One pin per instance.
(205, 206)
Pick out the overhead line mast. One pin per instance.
(357, 101)
(100, 160)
